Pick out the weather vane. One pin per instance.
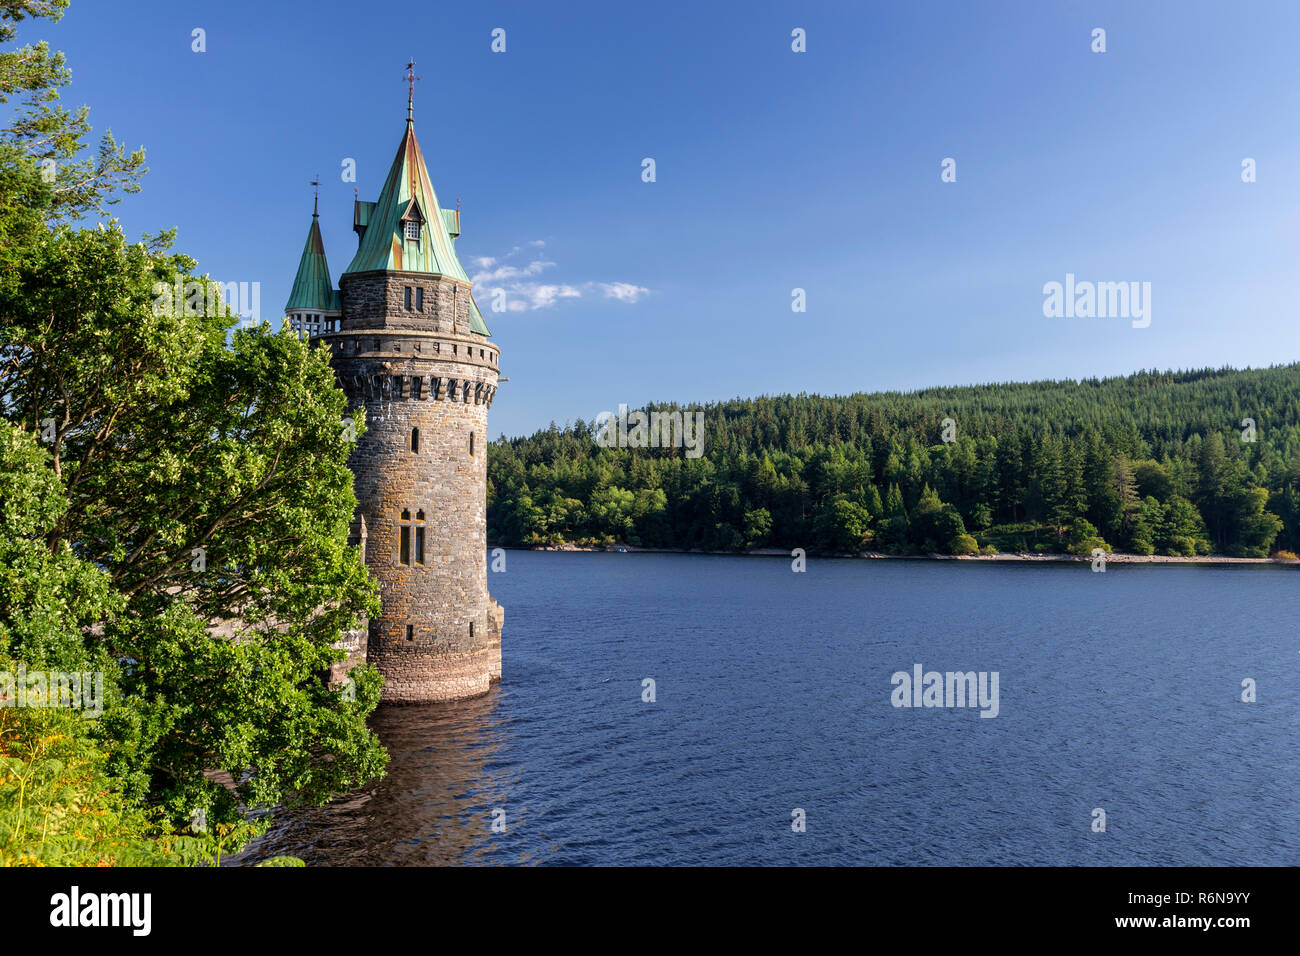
(410, 92)
(315, 203)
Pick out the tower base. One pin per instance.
(429, 675)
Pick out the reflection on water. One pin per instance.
(434, 806)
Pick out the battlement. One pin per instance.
(411, 344)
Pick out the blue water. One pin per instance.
(1119, 691)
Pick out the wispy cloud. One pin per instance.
(623, 291)
(516, 276)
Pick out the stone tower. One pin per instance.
(409, 345)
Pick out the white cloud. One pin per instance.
(623, 291)
(495, 275)
(502, 273)
(544, 296)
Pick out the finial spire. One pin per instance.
(410, 91)
(315, 202)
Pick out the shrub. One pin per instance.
(1085, 546)
(964, 544)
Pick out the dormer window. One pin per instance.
(412, 221)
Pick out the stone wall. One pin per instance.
(355, 642)
(439, 634)
(377, 300)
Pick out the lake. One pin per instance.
(772, 689)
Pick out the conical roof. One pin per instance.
(408, 194)
(312, 288)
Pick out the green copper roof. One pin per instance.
(476, 322)
(407, 194)
(451, 219)
(312, 289)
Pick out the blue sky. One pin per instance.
(775, 170)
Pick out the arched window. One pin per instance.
(471, 444)
(415, 440)
(419, 537)
(404, 538)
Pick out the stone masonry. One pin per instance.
(426, 382)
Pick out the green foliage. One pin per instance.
(964, 544)
(842, 526)
(166, 439)
(758, 525)
(59, 806)
(176, 504)
(1154, 462)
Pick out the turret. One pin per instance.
(411, 348)
(313, 305)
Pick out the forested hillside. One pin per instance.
(1156, 462)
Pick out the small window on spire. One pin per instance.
(412, 230)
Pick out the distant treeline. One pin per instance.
(1177, 463)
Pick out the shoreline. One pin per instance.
(1008, 556)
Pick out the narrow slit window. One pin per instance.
(471, 628)
(471, 444)
(408, 298)
(415, 440)
(419, 300)
(404, 538)
(419, 537)
(410, 632)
